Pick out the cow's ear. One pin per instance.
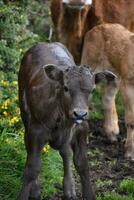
(105, 77)
(53, 72)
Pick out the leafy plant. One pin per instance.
(114, 196)
(127, 186)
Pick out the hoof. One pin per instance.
(112, 134)
(129, 155)
(111, 138)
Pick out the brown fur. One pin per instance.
(115, 11)
(71, 25)
(111, 47)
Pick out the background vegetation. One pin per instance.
(22, 24)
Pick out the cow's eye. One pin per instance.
(66, 88)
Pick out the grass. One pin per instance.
(51, 173)
(96, 113)
(127, 186)
(115, 196)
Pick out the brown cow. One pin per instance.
(70, 22)
(73, 18)
(111, 47)
(53, 96)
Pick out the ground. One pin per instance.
(107, 164)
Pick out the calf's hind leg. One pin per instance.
(110, 124)
(127, 91)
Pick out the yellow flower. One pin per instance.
(5, 113)
(46, 149)
(5, 104)
(4, 83)
(14, 120)
(15, 83)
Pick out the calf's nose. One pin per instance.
(80, 114)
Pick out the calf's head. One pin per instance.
(75, 85)
(76, 4)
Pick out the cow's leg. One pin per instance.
(110, 125)
(68, 182)
(127, 92)
(81, 163)
(34, 144)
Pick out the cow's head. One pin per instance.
(76, 4)
(75, 86)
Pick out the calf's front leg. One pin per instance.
(81, 163)
(110, 124)
(34, 144)
(68, 183)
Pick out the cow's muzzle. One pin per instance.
(75, 6)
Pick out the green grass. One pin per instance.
(115, 196)
(96, 113)
(51, 173)
(127, 186)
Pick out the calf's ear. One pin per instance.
(53, 72)
(105, 77)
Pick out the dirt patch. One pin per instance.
(107, 163)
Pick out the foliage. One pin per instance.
(12, 161)
(51, 173)
(127, 186)
(96, 112)
(41, 23)
(15, 38)
(115, 196)
(9, 111)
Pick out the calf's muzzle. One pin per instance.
(79, 116)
